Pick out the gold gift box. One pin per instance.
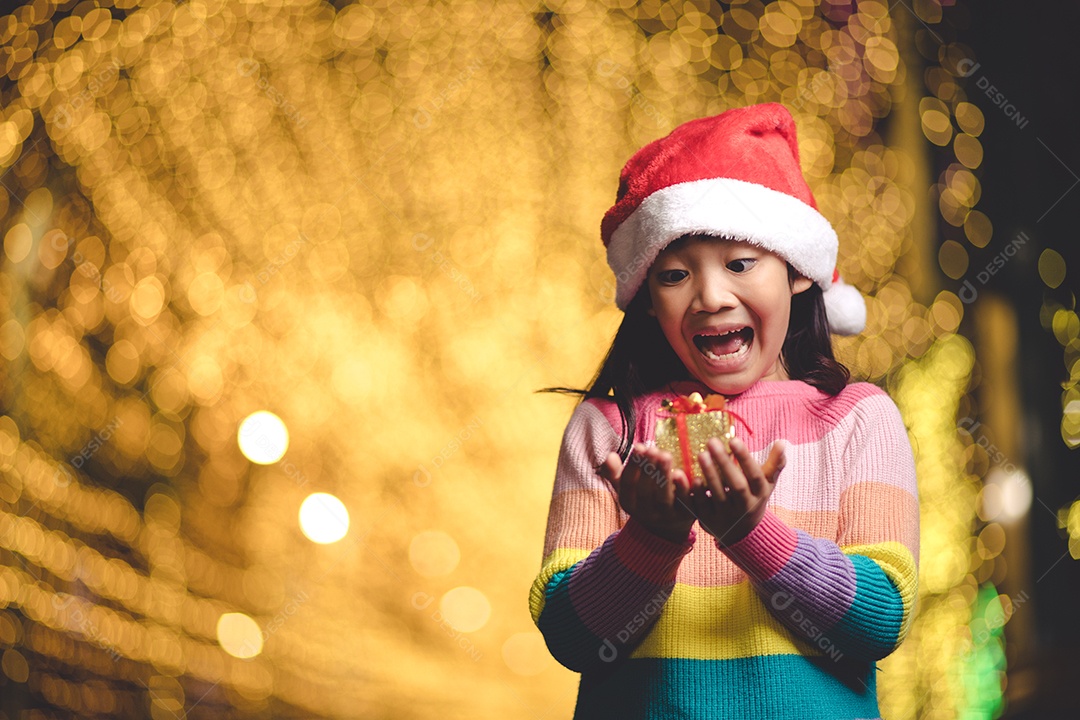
(704, 419)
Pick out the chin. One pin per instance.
(732, 382)
(724, 385)
(728, 389)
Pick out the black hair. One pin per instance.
(640, 359)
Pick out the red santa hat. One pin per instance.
(737, 175)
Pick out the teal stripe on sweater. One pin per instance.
(872, 622)
(567, 638)
(769, 687)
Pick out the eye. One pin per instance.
(742, 264)
(670, 277)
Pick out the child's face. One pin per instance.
(723, 305)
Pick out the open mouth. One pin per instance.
(728, 346)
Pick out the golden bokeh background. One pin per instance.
(279, 283)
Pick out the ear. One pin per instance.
(800, 284)
(650, 311)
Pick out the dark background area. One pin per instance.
(1028, 52)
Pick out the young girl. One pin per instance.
(768, 588)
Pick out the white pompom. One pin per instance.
(846, 309)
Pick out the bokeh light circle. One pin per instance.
(525, 653)
(323, 518)
(465, 608)
(263, 437)
(433, 553)
(239, 635)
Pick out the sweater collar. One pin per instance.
(762, 388)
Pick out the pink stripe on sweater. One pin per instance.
(633, 567)
(805, 413)
(767, 548)
(648, 555)
(706, 566)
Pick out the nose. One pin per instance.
(712, 293)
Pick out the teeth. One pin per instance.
(730, 356)
(729, 332)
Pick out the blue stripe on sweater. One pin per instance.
(872, 622)
(769, 687)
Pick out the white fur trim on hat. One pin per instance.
(732, 208)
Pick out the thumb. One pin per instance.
(776, 461)
(611, 469)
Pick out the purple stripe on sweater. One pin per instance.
(820, 576)
(610, 594)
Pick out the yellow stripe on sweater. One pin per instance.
(557, 561)
(731, 621)
(719, 623)
(716, 623)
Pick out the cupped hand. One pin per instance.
(651, 491)
(732, 499)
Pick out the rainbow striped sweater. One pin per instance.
(785, 623)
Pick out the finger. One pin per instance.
(683, 499)
(730, 472)
(712, 481)
(657, 489)
(701, 505)
(693, 488)
(776, 462)
(751, 471)
(611, 469)
(681, 481)
(648, 468)
(666, 491)
(630, 480)
(693, 482)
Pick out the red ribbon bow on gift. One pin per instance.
(692, 404)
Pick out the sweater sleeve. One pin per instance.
(601, 586)
(852, 597)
